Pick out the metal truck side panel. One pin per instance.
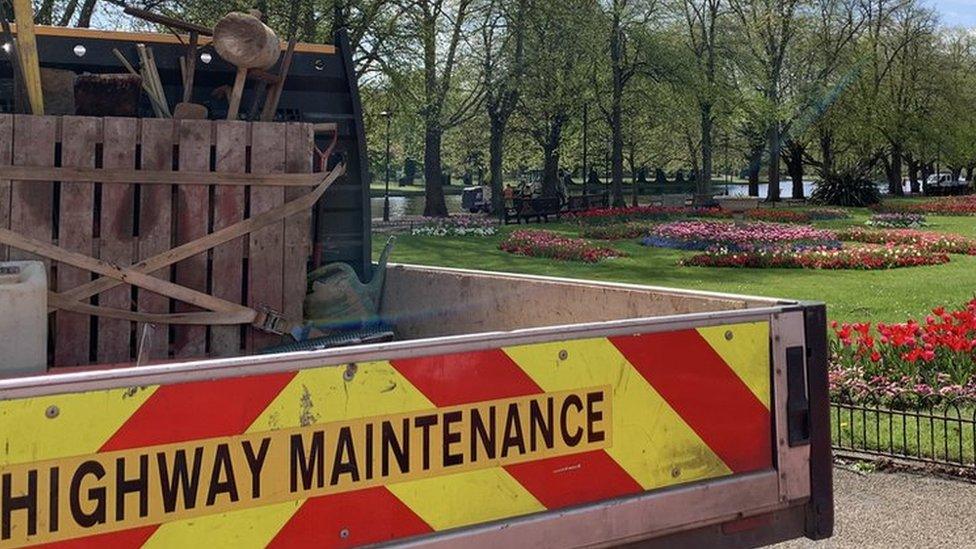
(355, 453)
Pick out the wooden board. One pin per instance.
(192, 219)
(117, 237)
(265, 283)
(32, 203)
(155, 223)
(228, 208)
(298, 228)
(6, 156)
(72, 332)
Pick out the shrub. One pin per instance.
(704, 235)
(550, 245)
(846, 189)
(867, 259)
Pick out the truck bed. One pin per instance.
(512, 410)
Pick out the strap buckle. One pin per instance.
(272, 321)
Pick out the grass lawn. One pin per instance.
(887, 296)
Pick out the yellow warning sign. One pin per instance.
(83, 495)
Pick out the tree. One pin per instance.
(703, 37)
(768, 28)
(503, 40)
(626, 20)
(556, 78)
(438, 29)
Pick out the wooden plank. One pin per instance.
(228, 208)
(157, 38)
(155, 222)
(117, 243)
(265, 282)
(72, 332)
(298, 227)
(32, 203)
(129, 176)
(6, 156)
(192, 211)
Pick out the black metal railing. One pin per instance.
(942, 434)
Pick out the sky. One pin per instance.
(956, 13)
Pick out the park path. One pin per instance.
(898, 510)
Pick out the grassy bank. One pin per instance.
(851, 295)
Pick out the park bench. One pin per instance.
(532, 208)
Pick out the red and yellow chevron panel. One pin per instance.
(339, 456)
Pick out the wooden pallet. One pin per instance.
(226, 175)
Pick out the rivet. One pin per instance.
(350, 371)
(52, 412)
(344, 533)
(563, 355)
(676, 472)
(729, 335)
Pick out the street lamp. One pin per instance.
(386, 193)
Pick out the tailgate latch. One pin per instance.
(797, 403)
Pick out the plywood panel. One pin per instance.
(155, 222)
(298, 228)
(192, 211)
(228, 208)
(265, 282)
(117, 241)
(79, 136)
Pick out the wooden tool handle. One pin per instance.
(235, 94)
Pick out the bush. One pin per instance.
(846, 189)
(897, 220)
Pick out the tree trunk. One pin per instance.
(616, 100)
(496, 150)
(84, 18)
(772, 190)
(433, 186)
(794, 166)
(705, 175)
(69, 12)
(826, 153)
(45, 15)
(631, 163)
(894, 172)
(550, 169)
(912, 166)
(755, 163)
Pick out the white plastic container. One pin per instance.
(23, 318)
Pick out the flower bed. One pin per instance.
(778, 215)
(906, 364)
(890, 257)
(897, 220)
(704, 235)
(946, 205)
(928, 241)
(616, 231)
(550, 245)
(457, 225)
